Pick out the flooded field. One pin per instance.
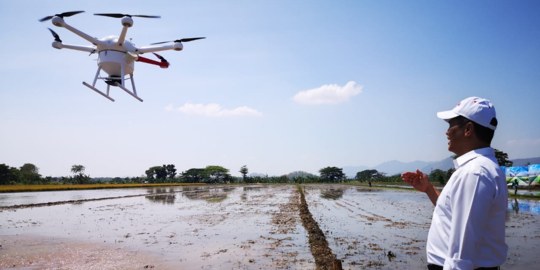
(224, 227)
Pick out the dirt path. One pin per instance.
(324, 258)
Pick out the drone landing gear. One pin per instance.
(99, 92)
(114, 81)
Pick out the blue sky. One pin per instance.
(278, 86)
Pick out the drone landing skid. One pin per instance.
(129, 92)
(114, 82)
(99, 92)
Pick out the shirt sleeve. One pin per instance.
(469, 202)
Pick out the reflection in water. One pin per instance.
(161, 198)
(524, 205)
(332, 194)
(368, 190)
(254, 188)
(164, 199)
(210, 195)
(515, 206)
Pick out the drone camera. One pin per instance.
(113, 80)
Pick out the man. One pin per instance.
(468, 225)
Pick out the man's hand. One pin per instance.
(417, 180)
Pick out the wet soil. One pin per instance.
(387, 229)
(238, 227)
(250, 227)
(34, 252)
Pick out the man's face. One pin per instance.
(456, 136)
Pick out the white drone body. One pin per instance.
(116, 55)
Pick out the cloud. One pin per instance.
(524, 142)
(328, 94)
(213, 110)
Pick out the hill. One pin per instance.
(396, 167)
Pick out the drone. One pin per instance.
(116, 55)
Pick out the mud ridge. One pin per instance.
(324, 258)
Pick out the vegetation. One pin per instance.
(332, 174)
(244, 171)
(502, 158)
(28, 174)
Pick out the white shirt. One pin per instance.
(467, 229)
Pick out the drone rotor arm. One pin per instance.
(82, 48)
(150, 61)
(151, 49)
(80, 33)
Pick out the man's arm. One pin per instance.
(420, 182)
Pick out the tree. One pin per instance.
(161, 173)
(365, 174)
(8, 175)
(170, 170)
(332, 174)
(150, 174)
(502, 158)
(29, 174)
(79, 177)
(29, 168)
(156, 173)
(244, 172)
(216, 174)
(75, 169)
(193, 176)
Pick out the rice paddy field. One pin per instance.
(231, 227)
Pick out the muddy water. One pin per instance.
(241, 227)
(210, 228)
(21, 198)
(363, 225)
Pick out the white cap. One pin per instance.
(478, 110)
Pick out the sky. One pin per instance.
(278, 86)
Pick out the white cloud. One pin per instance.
(524, 142)
(328, 94)
(213, 110)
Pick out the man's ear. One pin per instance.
(469, 129)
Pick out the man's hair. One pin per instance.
(484, 134)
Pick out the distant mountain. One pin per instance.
(396, 167)
(524, 161)
(294, 174)
(390, 167)
(350, 171)
(444, 165)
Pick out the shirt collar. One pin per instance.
(486, 151)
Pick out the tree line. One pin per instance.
(28, 174)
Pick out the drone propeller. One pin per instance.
(119, 15)
(179, 40)
(61, 15)
(55, 35)
(163, 60)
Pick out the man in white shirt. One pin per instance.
(468, 226)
